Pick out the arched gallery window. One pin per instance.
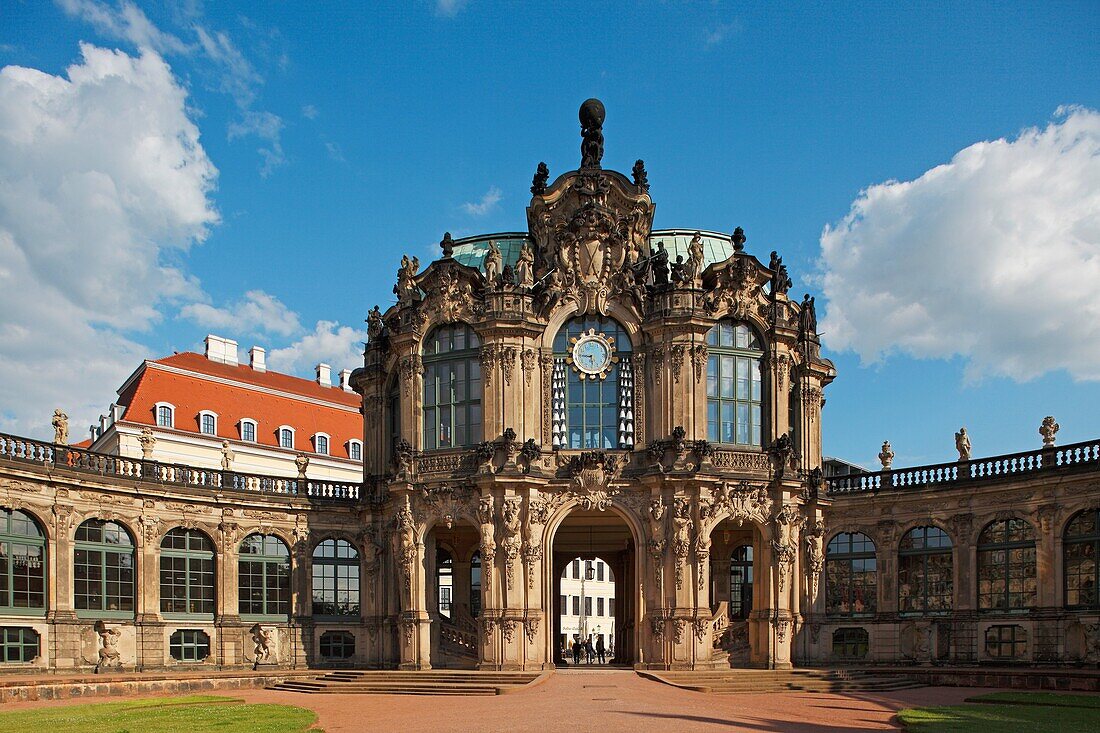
(925, 568)
(741, 582)
(22, 564)
(263, 576)
(452, 388)
(592, 385)
(1081, 543)
(733, 384)
(335, 579)
(187, 573)
(851, 575)
(103, 569)
(475, 585)
(1006, 566)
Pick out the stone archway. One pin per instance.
(448, 595)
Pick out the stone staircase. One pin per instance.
(794, 680)
(428, 682)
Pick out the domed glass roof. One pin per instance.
(471, 251)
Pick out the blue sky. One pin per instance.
(324, 140)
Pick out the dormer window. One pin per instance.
(248, 430)
(355, 450)
(208, 423)
(320, 444)
(286, 437)
(165, 414)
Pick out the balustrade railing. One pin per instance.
(1078, 456)
(27, 450)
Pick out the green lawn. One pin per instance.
(191, 714)
(1008, 712)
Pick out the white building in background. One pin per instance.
(587, 603)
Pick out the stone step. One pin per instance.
(433, 682)
(767, 681)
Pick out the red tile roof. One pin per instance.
(250, 395)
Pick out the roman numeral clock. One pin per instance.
(591, 355)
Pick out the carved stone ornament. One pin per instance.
(886, 455)
(700, 353)
(411, 368)
(742, 502)
(682, 525)
(1049, 429)
(592, 473)
(510, 537)
(108, 654)
(508, 626)
(782, 627)
(657, 626)
(405, 540)
(815, 555)
(450, 294)
(531, 628)
(527, 364)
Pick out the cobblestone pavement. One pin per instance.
(598, 700)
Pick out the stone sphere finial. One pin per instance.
(592, 113)
(738, 239)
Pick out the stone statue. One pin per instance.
(406, 279)
(302, 462)
(886, 455)
(641, 178)
(962, 444)
(147, 441)
(374, 324)
(781, 280)
(494, 263)
(738, 239)
(447, 245)
(592, 115)
(227, 456)
(658, 264)
(807, 319)
(695, 257)
(108, 646)
(680, 271)
(1048, 430)
(538, 183)
(508, 276)
(60, 424)
(262, 642)
(525, 266)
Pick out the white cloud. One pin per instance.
(488, 203)
(103, 182)
(341, 347)
(258, 312)
(309, 112)
(127, 22)
(449, 8)
(994, 257)
(715, 35)
(268, 127)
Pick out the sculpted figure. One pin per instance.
(886, 455)
(538, 183)
(525, 266)
(962, 444)
(60, 424)
(695, 257)
(262, 641)
(680, 274)
(807, 319)
(781, 280)
(658, 263)
(374, 323)
(592, 116)
(108, 646)
(641, 178)
(302, 462)
(1048, 430)
(405, 290)
(147, 441)
(494, 263)
(227, 456)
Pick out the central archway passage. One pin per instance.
(585, 543)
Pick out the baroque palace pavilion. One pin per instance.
(589, 388)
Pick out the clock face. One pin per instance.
(592, 355)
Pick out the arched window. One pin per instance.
(741, 582)
(733, 385)
(187, 573)
(1081, 543)
(452, 388)
(165, 414)
(1006, 566)
(208, 423)
(320, 444)
(22, 564)
(475, 584)
(925, 568)
(263, 576)
(851, 577)
(355, 450)
(248, 430)
(592, 385)
(103, 569)
(335, 579)
(286, 437)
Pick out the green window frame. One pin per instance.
(598, 413)
(1081, 560)
(22, 564)
(337, 645)
(851, 643)
(851, 575)
(741, 560)
(1006, 566)
(187, 574)
(1006, 642)
(734, 385)
(335, 579)
(452, 388)
(263, 578)
(18, 644)
(104, 572)
(189, 645)
(925, 572)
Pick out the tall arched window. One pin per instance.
(851, 577)
(103, 569)
(22, 564)
(733, 385)
(741, 582)
(592, 385)
(335, 579)
(1081, 543)
(925, 568)
(263, 576)
(187, 573)
(1006, 566)
(475, 584)
(452, 387)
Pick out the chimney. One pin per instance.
(345, 380)
(324, 375)
(221, 350)
(257, 357)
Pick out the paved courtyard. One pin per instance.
(603, 700)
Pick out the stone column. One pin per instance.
(227, 619)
